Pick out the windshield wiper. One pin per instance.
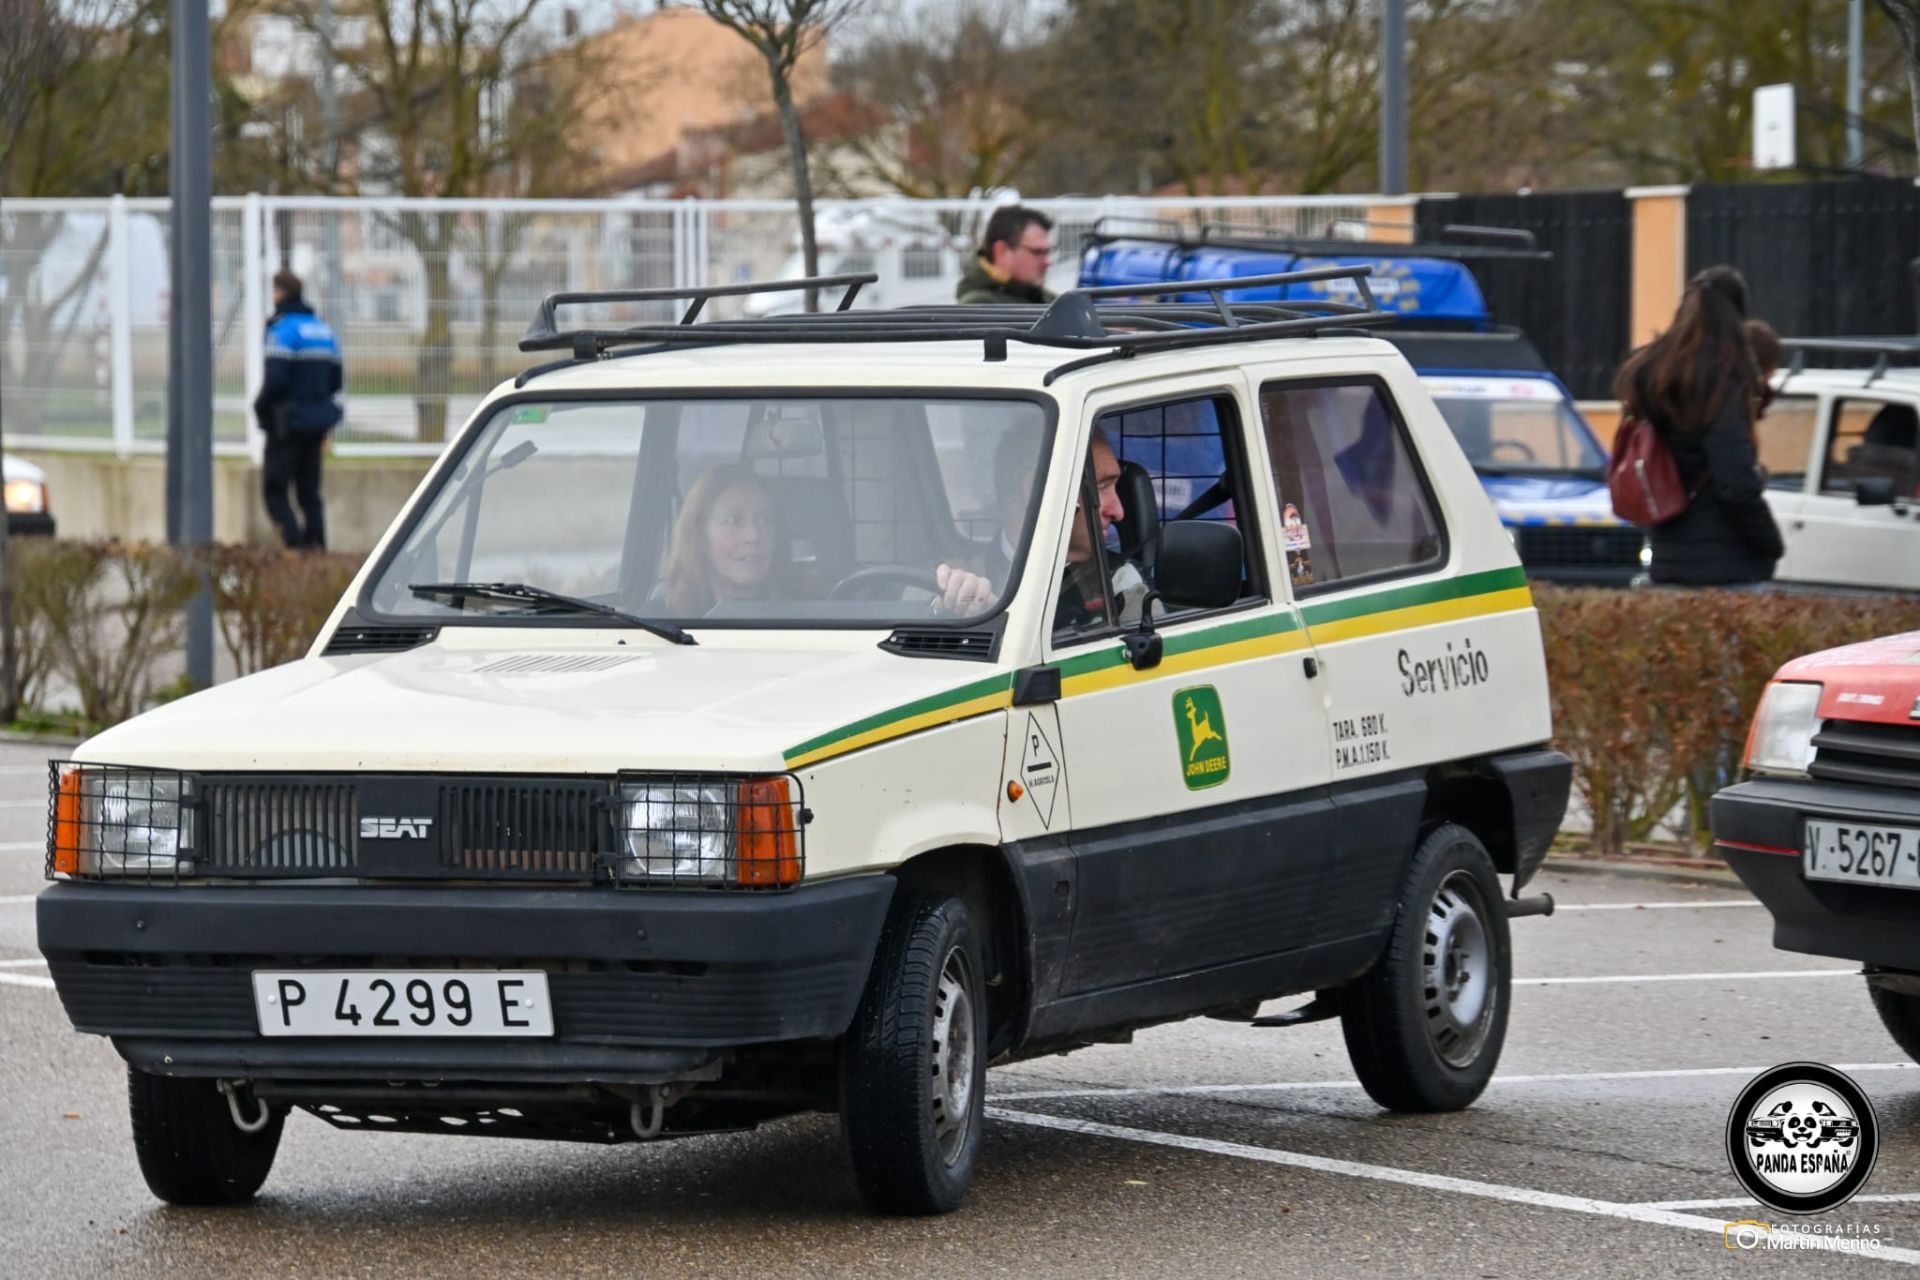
(524, 593)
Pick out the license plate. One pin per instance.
(411, 1002)
(1854, 853)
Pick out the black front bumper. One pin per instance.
(1757, 828)
(644, 986)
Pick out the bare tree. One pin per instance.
(963, 84)
(1905, 15)
(781, 32)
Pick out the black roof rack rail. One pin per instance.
(543, 333)
(1464, 242)
(1116, 320)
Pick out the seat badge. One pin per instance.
(395, 828)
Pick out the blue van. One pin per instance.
(1537, 458)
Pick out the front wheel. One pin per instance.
(1901, 1014)
(190, 1149)
(913, 1065)
(1425, 1025)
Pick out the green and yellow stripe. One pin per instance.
(1271, 635)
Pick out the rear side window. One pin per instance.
(1784, 435)
(1353, 501)
(1872, 439)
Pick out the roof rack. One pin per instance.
(1884, 350)
(1461, 241)
(1117, 321)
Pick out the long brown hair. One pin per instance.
(687, 575)
(1682, 378)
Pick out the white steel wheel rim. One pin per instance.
(954, 1050)
(1458, 991)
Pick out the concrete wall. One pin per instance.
(102, 496)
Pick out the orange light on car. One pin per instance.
(66, 824)
(769, 845)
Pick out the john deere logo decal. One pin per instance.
(1202, 729)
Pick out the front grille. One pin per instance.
(1886, 755)
(266, 827)
(1578, 545)
(691, 831)
(523, 830)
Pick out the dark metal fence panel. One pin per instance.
(1821, 258)
(1576, 307)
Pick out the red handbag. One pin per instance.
(1642, 476)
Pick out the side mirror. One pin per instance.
(1874, 491)
(1199, 564)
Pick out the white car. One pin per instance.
(28, 510)
(1843, 449)
(760, 721)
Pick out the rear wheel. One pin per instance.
(191, 1151)
(1425, 1026)
(1901, 1014)
(913, 1066)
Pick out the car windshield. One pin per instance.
(843, 510)
(1517, 425)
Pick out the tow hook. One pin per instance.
(649, 1116)
(232, 1090)
(1540, 904)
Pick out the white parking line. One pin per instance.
(1285, 1086)
(25, 980)
(21, 846)
(40, 803)
(1408, 1178)
(1902, 1197)
(17, 899)
(1558, 907)
(1690, 977)
(39, 962)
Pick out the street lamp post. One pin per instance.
(190, 403)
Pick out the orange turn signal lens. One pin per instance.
(769, 831)
(66, 824)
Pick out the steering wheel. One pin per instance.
(906, 575)
(1520, 447)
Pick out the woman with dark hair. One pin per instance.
(1697, 385)
(726, 544)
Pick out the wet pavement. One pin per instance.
(1202, 1149)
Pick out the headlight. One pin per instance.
(1646, 555)
(110, 821)
(1783, 729)
(28, 497)
(710, 831)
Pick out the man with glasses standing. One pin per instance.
(1011, 266)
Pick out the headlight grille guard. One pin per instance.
(105, 821)
(119, 822)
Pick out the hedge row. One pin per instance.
(105, 619)
(1652, 690)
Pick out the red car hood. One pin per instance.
(1876, 680)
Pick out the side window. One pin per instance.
(1353, 501)
(1785, 434)
(1152, 465)
(1872, 438)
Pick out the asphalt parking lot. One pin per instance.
(1201, 1149)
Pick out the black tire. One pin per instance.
(191, 1152)
(912, 1110)
(1421, 1045)
(1901, 1014)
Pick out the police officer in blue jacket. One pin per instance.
(296, 408)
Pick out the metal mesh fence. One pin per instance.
(430, 297)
